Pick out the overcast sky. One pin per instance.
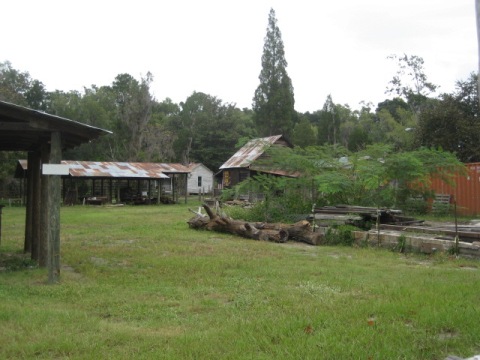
(215, 46)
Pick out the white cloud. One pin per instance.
(215, 46)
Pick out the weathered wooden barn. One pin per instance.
(44, 137)
(245, 162)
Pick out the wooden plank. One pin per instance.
(432, 230)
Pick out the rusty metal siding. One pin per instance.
(466, 192)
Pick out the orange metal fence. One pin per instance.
(466, 192)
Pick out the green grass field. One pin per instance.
(137, 283)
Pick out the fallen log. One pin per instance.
(301, 231)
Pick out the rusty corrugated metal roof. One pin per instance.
(133, 170)
(250, 152)
(115, 169)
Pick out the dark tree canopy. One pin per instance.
(451, 122)
(274, 102)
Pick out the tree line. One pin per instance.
(205, 129)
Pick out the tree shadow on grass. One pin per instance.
(16, 261)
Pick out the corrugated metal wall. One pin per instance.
(466, 191)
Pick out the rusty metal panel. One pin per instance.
(250, 152)
(466, 192)
(133, 170)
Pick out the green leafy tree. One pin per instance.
(328, 123)
(379, 175)
(393, 106)
(304, 133)
(19, 88)
(451, 122)
(206, 130)
(410, 82)
(273, 103)
(134, 104)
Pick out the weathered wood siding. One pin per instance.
(206, 182)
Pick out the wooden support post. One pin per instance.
(64, 190)
(110, 190)
(30, 190)
(118, 192)
(36, 199)
(54, 198)
(44, 211)
(186, 187)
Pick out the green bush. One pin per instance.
(417, 205)
(340, 235)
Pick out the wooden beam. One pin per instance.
(54, 182)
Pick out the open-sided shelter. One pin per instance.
(44, 137)
(130, 182)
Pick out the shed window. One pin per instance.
(199, 181)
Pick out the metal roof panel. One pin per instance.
(250, 152)
(135, 170)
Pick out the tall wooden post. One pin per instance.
(36, 191)
(44, 211)
(54, 182)
(110, 190)
(186, 188)
(27, 247)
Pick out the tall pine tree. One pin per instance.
(273, 103)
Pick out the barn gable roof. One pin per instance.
(252, 150)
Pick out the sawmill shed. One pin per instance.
(98, 183)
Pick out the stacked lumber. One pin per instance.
(355, 214)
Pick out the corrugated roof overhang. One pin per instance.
(24, 129)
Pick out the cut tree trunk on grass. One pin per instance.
(280, 233)
(300, 231)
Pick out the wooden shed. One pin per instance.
(43, 137)
(200, 179)
(244, 163)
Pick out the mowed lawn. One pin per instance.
(137, 283)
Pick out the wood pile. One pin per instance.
(358, 215)
(301, 231)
